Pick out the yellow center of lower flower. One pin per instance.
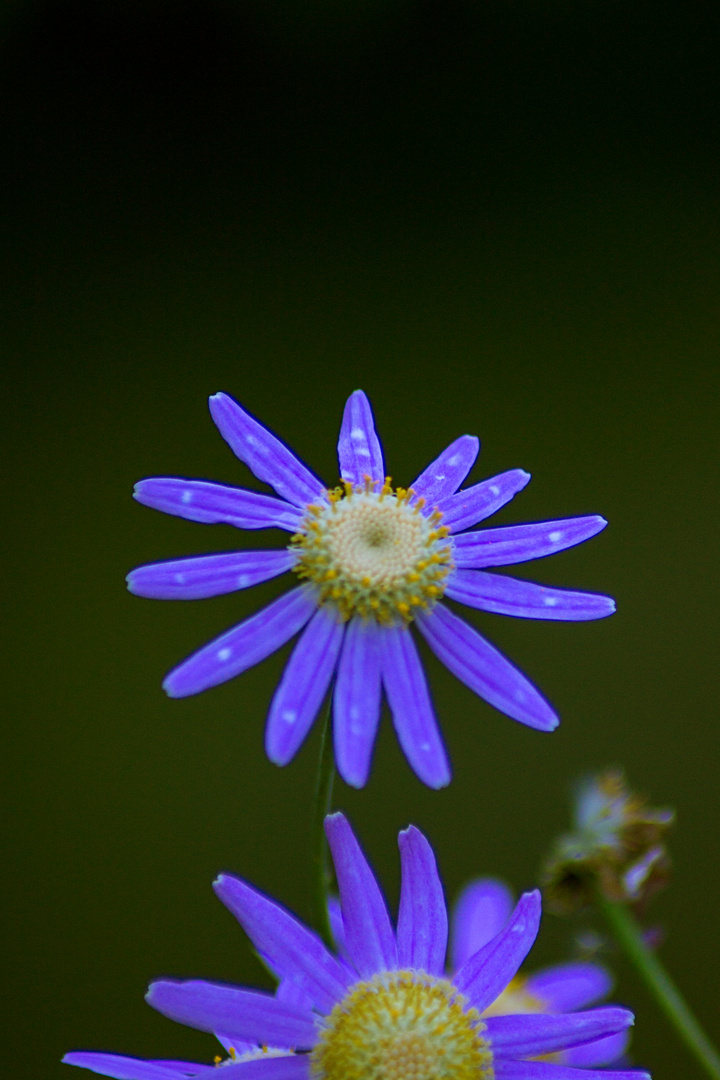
(374, 553)
(403, 1025)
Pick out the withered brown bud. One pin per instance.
(617, 847)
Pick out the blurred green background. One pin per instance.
(496, 217)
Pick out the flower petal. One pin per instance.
(359, 450)
(216, 504)
(293, 952)
(268, 458)
(480, 912)
(543, 1033)
(519, 543)
(413, 715)
(124, 1068)
(525, 599)
(303, 686)
(337, 927)
(487, 973)
(601, 1052)
(293, 995)
(484, 669)
(480, 501)
(285, 1067)
(243, 646)
(369, 936)
(208, 575)
(566, 987)
(356, 702)
(422, 928)
(446, 473)
(544, 1070)
(256, 1017)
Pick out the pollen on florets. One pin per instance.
(403, 1025)
(257, 1054)
(375, 553)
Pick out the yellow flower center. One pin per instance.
(402, 1025)
(374, 553)
(516, 998)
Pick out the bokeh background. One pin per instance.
(496, 216)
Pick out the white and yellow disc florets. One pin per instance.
(257, 1054)
(402, 1025)
(374, 553)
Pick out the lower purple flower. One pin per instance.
(382, 1008)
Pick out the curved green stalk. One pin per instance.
(629, 936)
(323, 802)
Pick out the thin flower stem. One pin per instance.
(323, 802)
(629, 936)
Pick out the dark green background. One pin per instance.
(495, 217)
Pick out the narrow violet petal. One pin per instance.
(519, 543)
(258, 1018)
(525, 599)
(291, 994)
(243, 646)
(285, 1067)
(544, 1070)
(264, 454)
(446, 473)
(602, 1052)
(359, 450)
(208, 575)
(356, 702)
(182, 1067)
(294, 953)
(303, 686)
(124, 1068)
(238, 1045)
(369, 934)
(479, 914)
(484, 669)
(544, 1033)
(489, 971)
(474, 504)
(216, 504)
(422, 928)
(337, 927)
(412, 711)
(565, 987)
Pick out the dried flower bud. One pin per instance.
(617, 847)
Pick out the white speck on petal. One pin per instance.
(495, 489)
(425, 746)
(289, 716)
(251, 440)
(186, 496)
(555, 536)
(440, 476)
(454, 459)
(549, 601)
(354, 712)
(362, 451)
(224, 654)
(357, 434)
(243, 581)
(180, 578)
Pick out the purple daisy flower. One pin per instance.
(482, 910)
(386, 1010)
(371, 560)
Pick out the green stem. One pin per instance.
(323, 801)
(628, 933)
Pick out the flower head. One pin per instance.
(383, 1009)
(617, 846)
(371, 560)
